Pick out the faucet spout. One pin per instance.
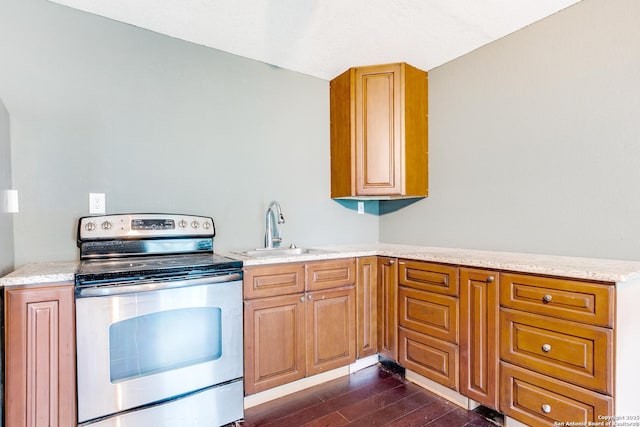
(272, 238)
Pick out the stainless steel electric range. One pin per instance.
(159, 323)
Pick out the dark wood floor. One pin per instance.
(372, 396)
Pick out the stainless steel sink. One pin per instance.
(276, 252)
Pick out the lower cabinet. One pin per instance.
(479, 338)
(428, 321)
(40, 368)
(556, 350)
(538, 349)
(290, 336)
(366, 306)
(387, 305)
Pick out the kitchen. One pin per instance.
(533, 138)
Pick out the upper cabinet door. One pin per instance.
(379, 133)
(378, 125)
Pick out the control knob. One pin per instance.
(206, 225)
(90, 226)
(106, 225)
(182, 223)
(195, 224)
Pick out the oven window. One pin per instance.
(164, 341)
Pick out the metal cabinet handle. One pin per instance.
(546, 348)
(490, 279)
(546, 408)
(309, 297)
(392, 261)
(301, 299)
(547, 297)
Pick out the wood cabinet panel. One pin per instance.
(428, 313)
(540, 401)
(564, 298)
(387, 307)
(331, 332)
(430, 357)
(573, 352)
(271, 280)
(40, 358)
(367, 306)
(330, 274)
(438, 278)
(379, 132)
(479, 313)
(274, 345)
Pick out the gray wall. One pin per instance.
(159, 125)
(535, 141)
(6, 219)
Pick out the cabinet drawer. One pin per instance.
(567, 299)
(428, 313)
(273, 280)
(439, 278)
(541, 401)
(573, 352)
(331, 274)
(430, 357)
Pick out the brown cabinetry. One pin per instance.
(366, 306)
(387, 306)
(299, 320)
(479, 311)
(556, 348)
(428, 320)
(40, 357)
(379, 132)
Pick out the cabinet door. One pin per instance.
(479, 312)
(331, 329)
(378, 130)
(387, 308)
(273, 341)
(40, 359)
(366, 306)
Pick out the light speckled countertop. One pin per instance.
(39, 273)
(606, 270)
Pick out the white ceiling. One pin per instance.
(323, 38)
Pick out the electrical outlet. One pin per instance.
(97, 203)
(361, 208)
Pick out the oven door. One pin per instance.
(145, 347)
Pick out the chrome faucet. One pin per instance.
(274, 217)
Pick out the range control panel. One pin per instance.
(144, 226)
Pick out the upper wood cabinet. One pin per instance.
(379, 134)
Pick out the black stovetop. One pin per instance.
(150, 267)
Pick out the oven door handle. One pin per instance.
(106, 291)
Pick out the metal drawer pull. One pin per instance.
(546, 348)
(309, 297)
(490, 279)
(546, 408)
(301, 299)
(547, 297)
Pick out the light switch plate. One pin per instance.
(97, 203)
(361, 208)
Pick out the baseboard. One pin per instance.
(304, 383)
(442, 391)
